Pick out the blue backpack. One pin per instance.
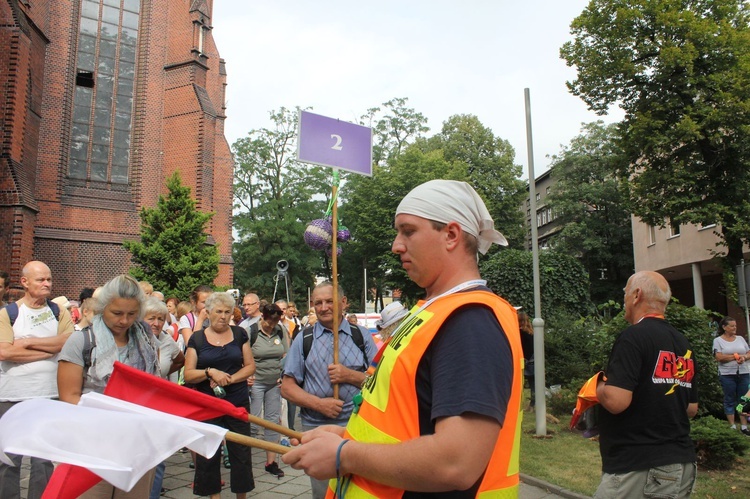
(12, 309)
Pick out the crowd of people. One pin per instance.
(61, 349)
(388, 418)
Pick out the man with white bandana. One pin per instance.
(449, 374)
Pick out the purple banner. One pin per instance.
(330, 142)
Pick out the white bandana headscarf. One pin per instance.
(447, 201)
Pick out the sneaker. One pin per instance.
(746, 432)
(274, 469)
(285, 442)
(227, 464)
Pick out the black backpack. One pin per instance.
(359, 340)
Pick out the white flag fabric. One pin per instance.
(114, 439)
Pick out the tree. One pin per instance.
(490, 169)
(590, 202)
(394, 126)
(681, 72)
(564, 282)
(275, 198)
(173, 254)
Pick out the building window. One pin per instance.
(538, 196)
(528, 203)
(674, 229)
(651, 235)
(546, 191)
(528, 213)
(103, 100)
(544, 217)
(538, 220)
(549, 214)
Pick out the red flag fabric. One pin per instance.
(69, 482)
(586, 397)
(138, 387)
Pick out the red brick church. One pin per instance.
(100, 102)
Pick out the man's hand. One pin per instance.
(339, 374)
(317, 456)
(330, 407)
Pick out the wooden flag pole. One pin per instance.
(256, 442)
(274, 427)
(335, 277)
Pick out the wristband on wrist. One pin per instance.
(338, 457)
(208, 376)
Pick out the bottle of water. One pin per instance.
(220, 392)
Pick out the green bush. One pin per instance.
(563, 402)
(717, 445)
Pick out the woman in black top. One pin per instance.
(218, 362)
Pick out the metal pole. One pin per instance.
(747, 298)
(538, 322)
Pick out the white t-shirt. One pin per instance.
(168, 350)
(739, 345)
(28, 380)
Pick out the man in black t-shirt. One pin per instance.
(649, 396)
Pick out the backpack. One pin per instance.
(89, 343)
(12, 309)
(254, 333)
(359, 340)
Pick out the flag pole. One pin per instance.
(335, 276)
(274, 427)
(256, 442)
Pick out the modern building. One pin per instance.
(100, 102)
(544, 216)
(685, 255)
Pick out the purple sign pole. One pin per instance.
(330, 142)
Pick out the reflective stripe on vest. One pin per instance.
(389, 412)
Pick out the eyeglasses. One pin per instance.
(250, 304)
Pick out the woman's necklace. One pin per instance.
(218, 337)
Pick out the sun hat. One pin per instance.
(390, 314)
(62, 301)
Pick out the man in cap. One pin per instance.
(650, 394)
(29, 344)
(450, 374)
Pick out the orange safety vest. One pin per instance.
(389, 411)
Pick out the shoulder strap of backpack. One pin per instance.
(236, 333)
(191, 320)
(55, 309)
(89, 342)
(199, 337)
(307, 339)
(253, 333)
(359, 340)
(12, 309)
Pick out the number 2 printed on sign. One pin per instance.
(337, 146)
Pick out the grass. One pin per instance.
(569, 460)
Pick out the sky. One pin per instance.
(447, 57)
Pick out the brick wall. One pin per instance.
(177, 125)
